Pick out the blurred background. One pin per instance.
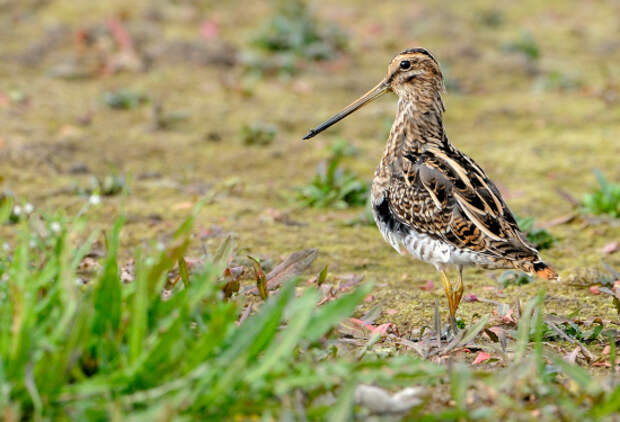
(148, 107)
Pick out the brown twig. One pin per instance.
(568, 197)
(589, 356)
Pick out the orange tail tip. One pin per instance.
(542, 270)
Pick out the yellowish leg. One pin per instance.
(451, 296)
(454, 296)
(458, 294)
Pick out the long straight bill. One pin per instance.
(374, 93)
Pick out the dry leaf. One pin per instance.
(349, 280)
(572, 356)
(261, 280)
(470, 297)
(610, 248)
(428, 286)
(355, 328)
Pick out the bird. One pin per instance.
(429, 199)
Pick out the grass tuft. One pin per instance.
(258, 133)
(334, 186)
(605, 199)
(78, 352)
(293, 29)
(525, 45)
(124, 99)
(104, 349)
(110, 184)
(540, 238)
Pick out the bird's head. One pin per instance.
(413, 74)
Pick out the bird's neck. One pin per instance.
(418, 121)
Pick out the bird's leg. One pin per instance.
(451, 296)
(458, 293)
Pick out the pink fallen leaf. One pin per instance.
(603, 364)
(4, 99)
(482, 357)
(610, 248)
(384, 328)
(428, 286)
(507, 317)
(595, 290)
(361, 329)
(213, 231)
(365, 324)
(391, 311)
(301, 87)
(120, 34)
(369, 298)
(208, 29)
(375, 29)
(470, 298)
(606, 350)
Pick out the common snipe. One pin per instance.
(428, 198)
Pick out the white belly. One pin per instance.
(436, 252)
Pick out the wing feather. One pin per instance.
(441, 192)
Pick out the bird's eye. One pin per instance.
(405, 64)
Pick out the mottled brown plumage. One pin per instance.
(428, 197)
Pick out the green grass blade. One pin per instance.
(282, 348)
(342, 410)
(22, 295)
(330, 314)
(611, 405)
(107, 300)
(139, 309)
(155, 278)
(249, 340)
(585, 381)
(601, 179)
(183, 271)
(523, 332)
(6, 208)
(223, 254)
(460, 378)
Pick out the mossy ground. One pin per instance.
(529, 135)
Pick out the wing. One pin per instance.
(437, 190)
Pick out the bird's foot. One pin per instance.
(450, 331)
